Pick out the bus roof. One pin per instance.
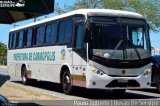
(106, 12)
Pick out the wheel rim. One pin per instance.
(66, 82)
(24, 77)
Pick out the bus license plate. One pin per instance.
(122, 80)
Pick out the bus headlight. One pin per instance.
(97, 71)
(146, 72)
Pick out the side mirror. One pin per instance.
(86, 35)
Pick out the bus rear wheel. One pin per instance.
(25, 79)
(66, 82)
(119, 91)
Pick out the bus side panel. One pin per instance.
(44, 63)
(14, 67)
(79, 70)
(10, 63)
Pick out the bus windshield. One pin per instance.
(119, 38)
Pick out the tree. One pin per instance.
(150, 9)
(3, 49)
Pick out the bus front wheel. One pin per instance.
(67, 82)
(24, 76)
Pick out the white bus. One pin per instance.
(91, 48)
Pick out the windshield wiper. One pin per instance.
(133, 45)
(135, 49)
(114, 50)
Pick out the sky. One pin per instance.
(5, 28)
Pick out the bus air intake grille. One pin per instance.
(130, 83)
(123, 75)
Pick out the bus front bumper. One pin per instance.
(95, 81)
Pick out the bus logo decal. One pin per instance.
(123, 72)
(63, 53)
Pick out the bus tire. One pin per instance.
(67, 82)
(119, 91)
(25, 79)
(158, 85)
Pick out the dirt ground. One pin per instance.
(14, 92)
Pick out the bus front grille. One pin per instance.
(130, 83)
(123, 75)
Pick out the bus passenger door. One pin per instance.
(79, 51)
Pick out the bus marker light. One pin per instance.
(97, 71)
(147, 72)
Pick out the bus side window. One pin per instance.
(17, 39)
(68, 31)
(65, 31)
(79, 44)
(48, 35)
(61, 35)
(29, 37)
(54, 34)
(51, 34)
(40, 36)
(10, 40)
(14, 41)
(21, 36)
